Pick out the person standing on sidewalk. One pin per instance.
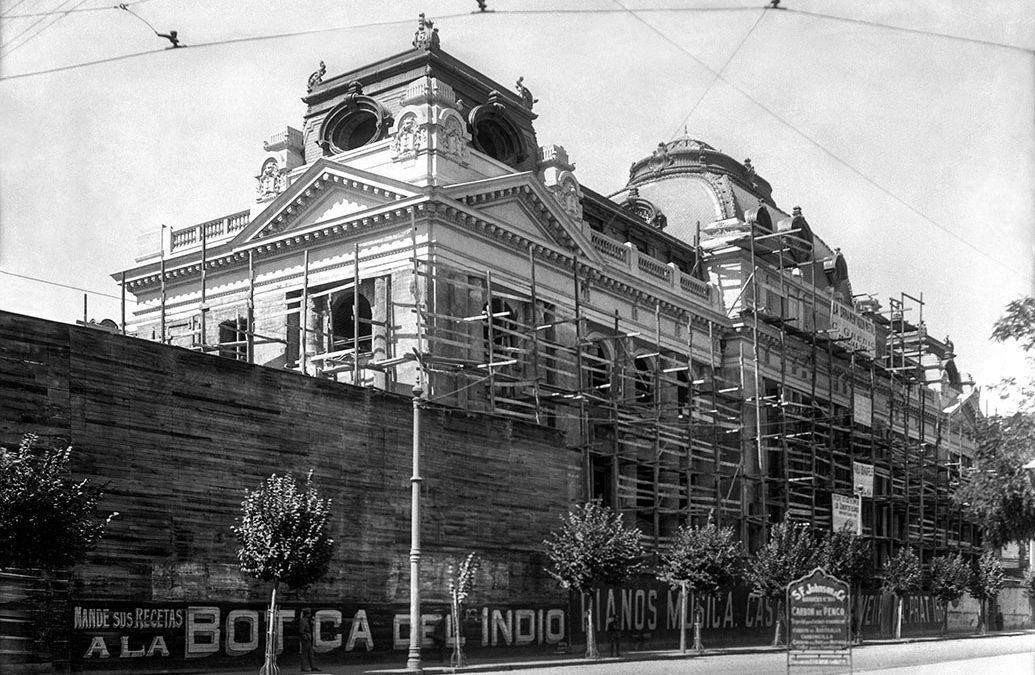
(615, 636)
(305, 641)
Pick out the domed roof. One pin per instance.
(686, 155)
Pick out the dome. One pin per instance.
(692, 182)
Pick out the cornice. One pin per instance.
(389, 214)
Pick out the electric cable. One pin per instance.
(105, 8)
(832, 17)
(827, 151)
(917, 31)
(61, 285)
(35, 23)
(721, 71)
(11, 9)
(216, 43)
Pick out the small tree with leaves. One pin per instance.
(461, 583)
(700, 560)
(947, 579)
(901, 575)
(48, 520)
(593, 547)
(846, 555)
(790, 553)
(986, 580)
(283, 537)
(1028, 583)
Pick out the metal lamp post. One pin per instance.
(413, 658)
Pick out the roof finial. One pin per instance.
(426, 36)
(317, 77)
(526, 95)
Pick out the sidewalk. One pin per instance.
(573, 660)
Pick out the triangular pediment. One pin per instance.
(523, 206)
(325, 191)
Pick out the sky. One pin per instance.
(905, 131)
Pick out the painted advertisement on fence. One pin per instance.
(140, 636)
(647, 612)
(144, 636)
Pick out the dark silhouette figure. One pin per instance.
(614, 635)
(305, 641)
(171, 37)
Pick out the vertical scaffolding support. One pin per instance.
(250, 316)
(759, 446)
(122, 287)
(162, 322)
(355, 315)
(656, 413)
(204, 287)
(690, 383)
(490, 317)
(535, 337)
(579, 388)
(303, 312)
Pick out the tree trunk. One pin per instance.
(898, 616)
(591, 636)
(982, 619)
(458, 660)
(269, 666)
(682, 617)
(778, 633)
(945, 617)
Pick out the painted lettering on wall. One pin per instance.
(228, 633)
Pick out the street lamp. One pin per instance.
(413, 657)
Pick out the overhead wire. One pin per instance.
(104, 8)
(10, 9)
(61, 285)
(12, 41)
(917, 31)
(840, 160)
(715, 79)
(874, 24)
(215, 43)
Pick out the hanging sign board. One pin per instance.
(819, 621)
(855, 332)
(845, 512)
(862, 409)
(862, 479)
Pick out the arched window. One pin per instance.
(343, 323)
(643, 379)
(596, 363)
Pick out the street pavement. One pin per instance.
(997, 654)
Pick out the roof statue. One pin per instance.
(426, 36)
(526, 95)
(317, 77)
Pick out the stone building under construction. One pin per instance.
(701, 347)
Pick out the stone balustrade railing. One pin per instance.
(627, 256)
(213, 229)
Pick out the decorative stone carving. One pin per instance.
(426, 36)
(454, 143)
(526, 95)
(409, 139)
(271, 180)
(286, 153)
(645, 210)
(429, 120)
(555, 170)
(659, 159)
(317, 77)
